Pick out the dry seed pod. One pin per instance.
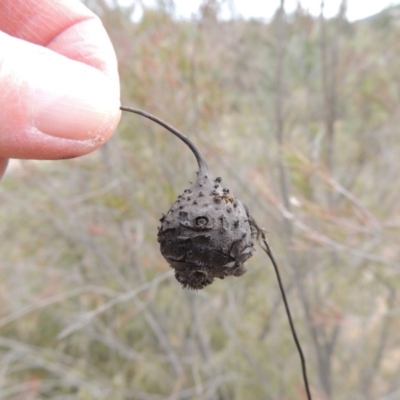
(207, 233)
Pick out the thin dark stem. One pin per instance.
(203, 168)
(264, 245)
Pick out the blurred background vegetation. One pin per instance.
(299, 115)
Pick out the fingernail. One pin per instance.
(72, 100)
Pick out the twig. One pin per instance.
(264, 245)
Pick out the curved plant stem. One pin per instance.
(264, 245)
(203, 168)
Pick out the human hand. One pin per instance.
(59, 84)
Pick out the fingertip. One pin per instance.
(52, 106)
(72, 100)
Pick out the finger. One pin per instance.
(52, 106)
(65, 26)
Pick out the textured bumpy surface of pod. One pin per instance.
(206, 234)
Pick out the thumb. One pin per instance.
(52, 106)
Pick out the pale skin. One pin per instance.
(59, 84)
